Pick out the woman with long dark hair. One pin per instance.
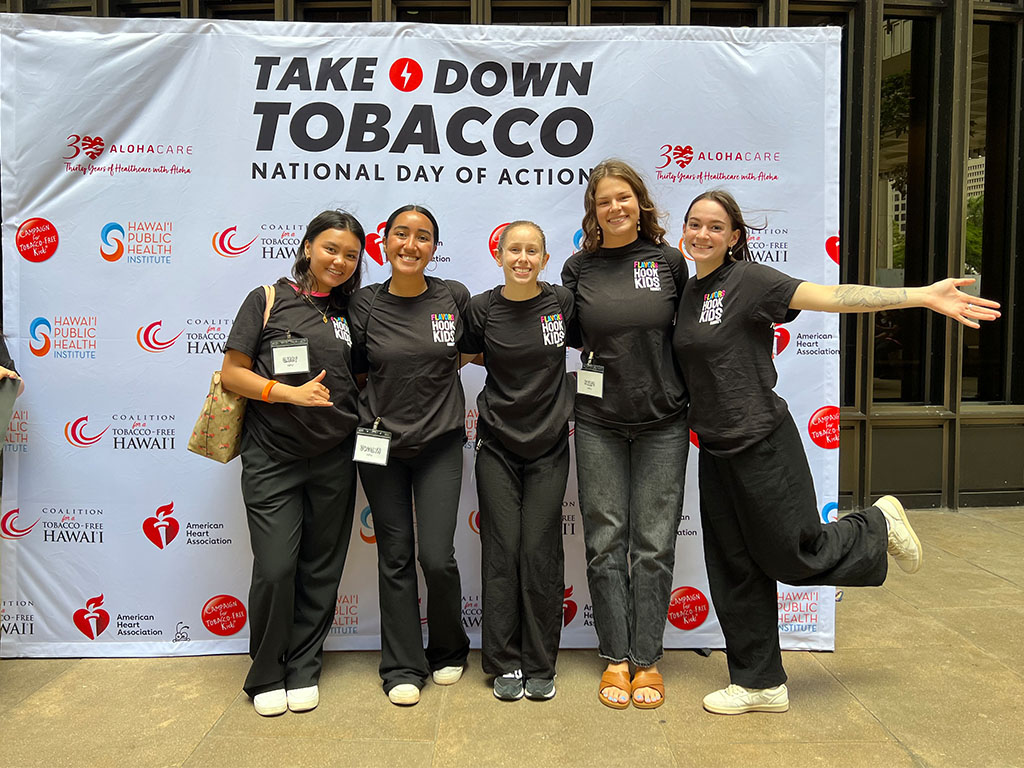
(759, 510)
(413, 415)
(290, 353)
(631, 433)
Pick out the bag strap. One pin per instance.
(271, 293)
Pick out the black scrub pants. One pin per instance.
(759, 513)
(300, 520)
(433, 480)
(521, 556)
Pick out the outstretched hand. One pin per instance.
(313, 393)
(945, 298)
(6, 373)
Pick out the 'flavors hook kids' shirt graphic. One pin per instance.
(553, 328)
(341, 330)
(711, 311)
(645, 275)
(443, 326)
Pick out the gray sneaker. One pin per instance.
(904, 546)
(540, 688)
(509, 687)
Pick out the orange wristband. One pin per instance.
(265, 397)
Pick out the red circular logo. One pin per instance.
(687, 608)
(492, 241)
(832, 248)
(406, 75)
(37, 240)
(224, 615)
(824, 427)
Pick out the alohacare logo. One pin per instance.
(830, 512)
(64, 337)
(72, 525)
(492, 241)
(645, 276)
(798, 610)
(17, 432)
(823, 427)
(346, 615)
(474, 521)
(11, 529)
(17, 618)
(569, 607)
(93, 619)
(355, 123)
(137, 242)
(161, 528)
(366, 526)
(687, 608)
(832, 248)
(472, 612)
(229, 244)
(206, 335)
(680, 162)
(769, 245)
(568, 517)
(223, 615)
(147, 337)
(79, 434)
(82, 151)
(36, 240)
(280, 241)
(442, 324)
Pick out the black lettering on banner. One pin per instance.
(418, 129)
(456, 130)
(362, 124)
(299, 128)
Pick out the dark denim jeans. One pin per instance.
(631, 495)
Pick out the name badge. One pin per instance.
(590, 380)
(372, 446)
(290, 356)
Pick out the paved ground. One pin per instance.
(928, 672)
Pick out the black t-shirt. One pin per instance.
(626, 302)
(289, 432)
(5, 357)
(527, 398)
(724, 340)
(410, 347)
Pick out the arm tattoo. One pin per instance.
(869, 296)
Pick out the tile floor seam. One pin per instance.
(208, 731)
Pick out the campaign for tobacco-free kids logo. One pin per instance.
(645, 276)
(553, 329)
(711, 311)
(442, 324)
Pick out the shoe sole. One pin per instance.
(264, 712)
(304, 707)
(898, 506)
(508, 698)
(542, 697)
(772, 708)
(445, 680)
(405, 701)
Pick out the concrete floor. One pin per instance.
(928, 672)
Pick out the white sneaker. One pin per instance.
(304, 699)
(904, 545)
(737, 700)
(404, 695)
(447, 675)
(270, 703)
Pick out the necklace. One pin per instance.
(314, 306)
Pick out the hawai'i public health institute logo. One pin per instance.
(64, 337)
(138, 242)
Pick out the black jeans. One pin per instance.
(433, 479)
(300, 520)
(522, 561)
(761, 525)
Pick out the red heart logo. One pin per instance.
(569, 608)
(832, 248)
(162, 528)
(92, 620)
(682, 155)
(781, 340)
(373, 244)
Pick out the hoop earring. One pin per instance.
(431, 266)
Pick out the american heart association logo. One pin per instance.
(569, 607)
(682, 155)
(92, 620)
(161, 528)
(375, 244)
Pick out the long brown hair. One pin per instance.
(740, 251)
(650, 227)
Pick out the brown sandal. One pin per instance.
(613, 679)
(645, 678)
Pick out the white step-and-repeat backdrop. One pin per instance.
(154, 172)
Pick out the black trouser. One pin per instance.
(433, 479)
(761, 524)
(521, 555)
(300, 520)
